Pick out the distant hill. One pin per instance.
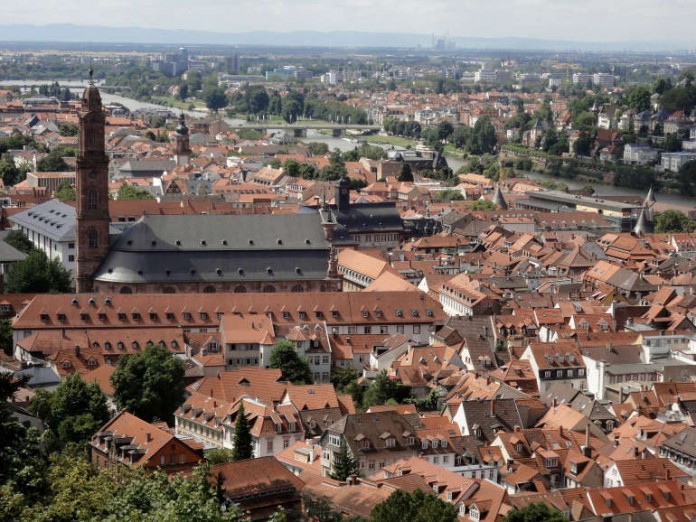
(64, 33)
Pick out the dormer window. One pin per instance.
(61, 317)
(334, 314)
(135, 316)
(169, 316)
(44, 317)
(390, 442)
(187, 316)
(153, 316)
(424, 444)
(66, 364)
(365, 444)
(203, 316)
(121, 316)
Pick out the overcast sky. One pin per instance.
(580, 20)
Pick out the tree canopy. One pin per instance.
(414, 507)
(672, 221)
(293, 367)
(65, 192)
(18, 239)
(39, 275)
(535, 512)
(149, 384)
(73, 412)
(53, 162)
(127, 191)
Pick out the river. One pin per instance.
(663, 200)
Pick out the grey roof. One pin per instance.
(52, 219)
(144, 168)
(491, 416)
(9, 254)
(39, 376)
(366, 217)
(218, 248)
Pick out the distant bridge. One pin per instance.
(300, 129)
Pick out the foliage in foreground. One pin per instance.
(78, 492)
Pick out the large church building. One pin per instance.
(184, 253)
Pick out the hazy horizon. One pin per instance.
(635, 21)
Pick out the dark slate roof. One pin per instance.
(218, 248)
(52, 219)
(364, 218)
(491, 416)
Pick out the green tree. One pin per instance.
(316, 148)
(405, 173)
(183, 91)
(343, 376)
(535, 512)
(414, 507)
(10, 173)
(687, 178)
(483, 138)
(242, 444)
(344, 465)
(65, 192)
(481, 204)
(672, 143)
(219, 456)
(38, 275)
(6, 342)
(17, 239)
(53, 162)
(127, 191)
(583, 145)
(293, 367)
(74, 411)
(673, 221)
(384, 389)
(638, 98)
(149, 384)
(214, 97)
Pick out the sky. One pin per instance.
(578, 20)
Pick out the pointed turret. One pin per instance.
(498, 199)
(650, 198)
(641, 227)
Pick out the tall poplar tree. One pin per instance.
(242, 437)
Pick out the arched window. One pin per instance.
(126, 290)
(268, 289)
(240, 289)
(92, 199)
(209, 289)
(92, 238)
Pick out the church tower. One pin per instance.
(92, 189)
(182, 148)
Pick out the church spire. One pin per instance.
(498, 199)
(92, 189)
(641, 227)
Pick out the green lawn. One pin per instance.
(169, 101)
(390, 140)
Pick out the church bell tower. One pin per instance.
(92, 189)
